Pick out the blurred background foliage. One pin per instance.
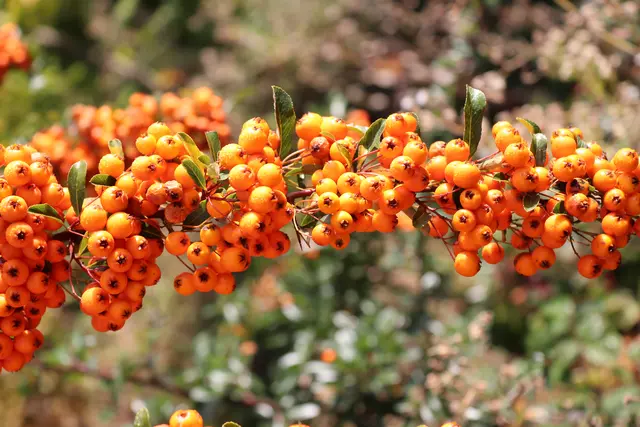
(383, 333)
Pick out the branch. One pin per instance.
(104, 375)
(297, 194)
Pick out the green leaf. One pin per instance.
(539, 144)
(294, 171)
(344, 151)
(191, 147)
(370, 139)
(204, 159)
(82, 246)
(151, 232)
(500, 177)
(285, 119)
(580, 142)
(230, 424)
(531, 126)
(474, 105)
(115, 147)
(355, 128)
(76, 181)
(142, 418)
(198, 216)
(530, 201)
(421, 217)
(214, 144)
(306, 221)
(46, 210)
(103, 179)
(195, 173)
(559, 208)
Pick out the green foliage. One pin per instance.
(76, 181)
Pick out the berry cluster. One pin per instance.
(13, 52)
(191, 418)
(32, 259)
(246, 213)
(217, 211)
(91, 128)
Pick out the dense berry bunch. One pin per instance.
(246, 212)
(216, 211)
(13, 52)
(32, 258)
(91, 128)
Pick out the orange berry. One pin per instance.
(333, 128)
(625, 160)
(94, 301)
(493, 253)
(463, 220)
(177, 243)
(262, 199)
(589, 266)
(112, 165)
(270, 175)
(466, 175)
(186, 418)
(525, 264)
(457, 149)
(467, 264)
(309, 126)
(505, 136)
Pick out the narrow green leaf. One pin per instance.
(198, 216)
(294, 171)
(371, 137)
(223, 176)
(230, 424)
(356, 128)
(191, 147)
(204, 159)
(474, 106)
(151, 232)
(285, 119)
(195, 173)
(530, 201)
(344, 152)
(82, 247)
(306, 221)
(580, 142)
(500, 177)
(531, 126)
(46, 210)
(214, 144)
(539, 144)
(103, 179)
(559, 208)
(115, 147)
(77, 183)
(328, 135)
(142, 418)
